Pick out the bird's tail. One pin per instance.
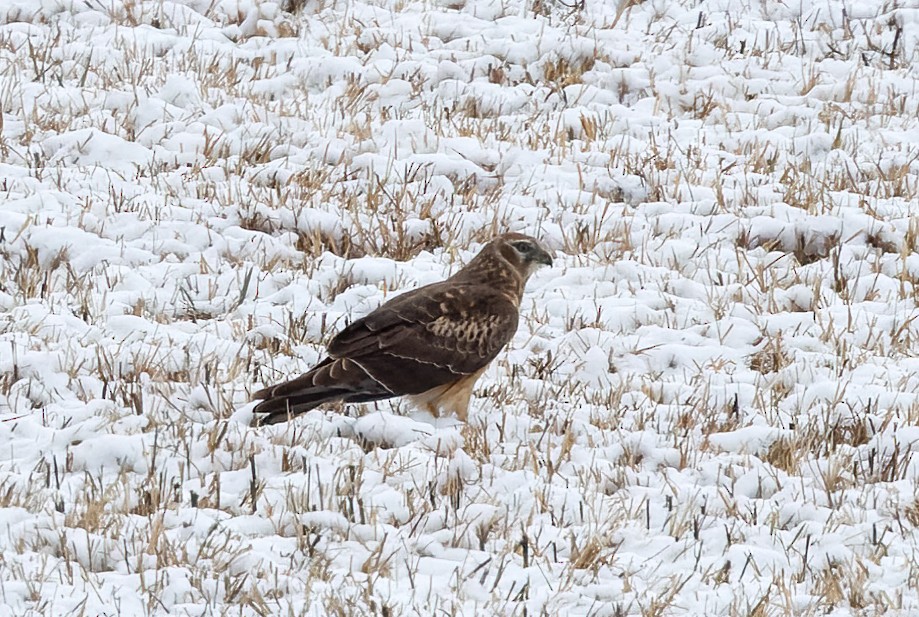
(331, 380)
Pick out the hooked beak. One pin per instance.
(543, 257)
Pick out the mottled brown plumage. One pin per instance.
(430, 344)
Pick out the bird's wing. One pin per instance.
(430, 336)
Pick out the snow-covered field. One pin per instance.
(712, 403)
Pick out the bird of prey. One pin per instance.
(430, 344)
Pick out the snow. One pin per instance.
(711, 406)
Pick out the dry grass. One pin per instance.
(734, 278)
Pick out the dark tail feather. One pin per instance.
(283, 408)
(330, 380)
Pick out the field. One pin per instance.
(711, 406)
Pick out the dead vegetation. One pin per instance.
(739, 253)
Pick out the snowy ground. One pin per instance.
(710, 408)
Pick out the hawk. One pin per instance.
(430, 344)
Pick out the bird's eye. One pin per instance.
(523, 247)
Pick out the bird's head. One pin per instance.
(505, 262)
(525, 253)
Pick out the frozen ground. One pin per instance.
(710, 407)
